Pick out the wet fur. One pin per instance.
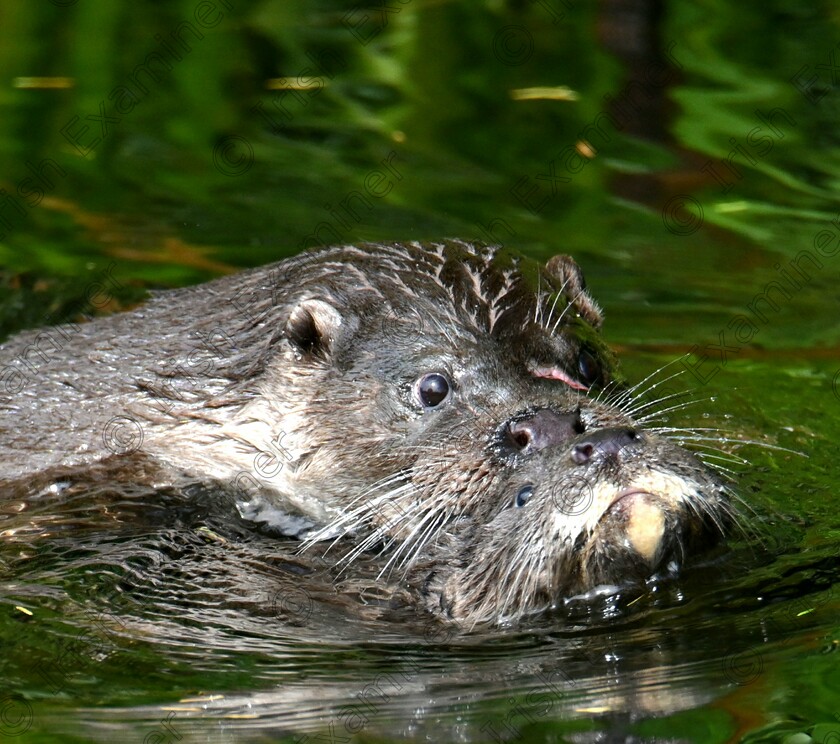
(293, 384)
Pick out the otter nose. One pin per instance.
(605, 444)
(544, 428)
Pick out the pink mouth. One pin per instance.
(555, 373)
(628, 495)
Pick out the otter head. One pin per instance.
(454, 407)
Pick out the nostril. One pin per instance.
(582, 453)
(544, 427)
(577, 424)
(519, 434)
(607, 444)
(628, 439)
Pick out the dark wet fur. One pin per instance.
(306, 370)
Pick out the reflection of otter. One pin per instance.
(448, 405)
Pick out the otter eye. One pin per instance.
(433, 389)
(588, 367)
(524, 495)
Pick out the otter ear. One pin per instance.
(313, 327)
(570, 279)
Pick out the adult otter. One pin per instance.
(448, 404)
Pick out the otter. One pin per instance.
(448, 407)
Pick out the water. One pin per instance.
(161, 617)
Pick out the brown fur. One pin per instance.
(296, 385)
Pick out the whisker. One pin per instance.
(557, 295)
(677, 407)
(634, 388)
(637, 406)
(728, 440)
(566, 309)
(413, 544)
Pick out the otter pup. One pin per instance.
(450, 406)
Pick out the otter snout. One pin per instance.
(606, 444)
(543, 428)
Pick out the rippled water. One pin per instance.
(127, 615)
